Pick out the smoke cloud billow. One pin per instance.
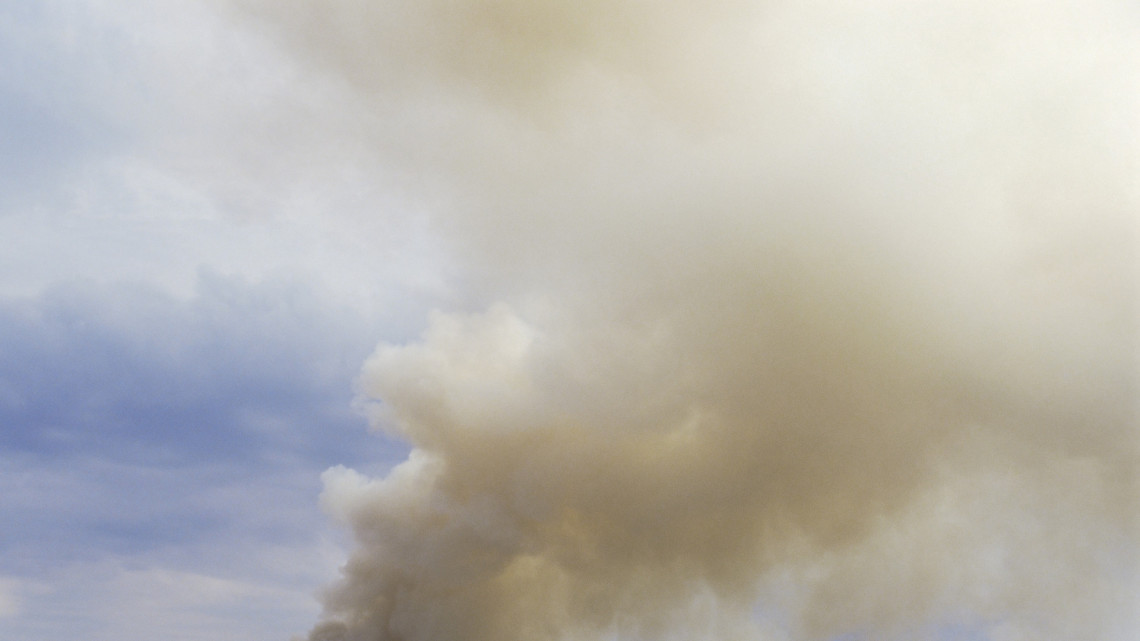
(781, 320)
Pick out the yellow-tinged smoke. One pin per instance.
(800, 319)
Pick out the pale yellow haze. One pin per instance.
(781, 320)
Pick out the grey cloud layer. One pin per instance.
(88, 368)
(160, 455)
(826, 307)
(176, 349)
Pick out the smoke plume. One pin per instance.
(780, 320)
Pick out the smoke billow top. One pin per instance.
(781, 320)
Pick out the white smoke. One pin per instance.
(799, 319)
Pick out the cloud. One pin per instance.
(108, 601)
(51, 113)
(10, 597)
(185, 297)
(91, 368)
(161, 454)
(837, 298)
(196, 144)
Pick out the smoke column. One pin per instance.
(780, 320)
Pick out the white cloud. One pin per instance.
(211, 150)
(117, 600)
(11, 597)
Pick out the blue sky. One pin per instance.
(179, 332)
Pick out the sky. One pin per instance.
(183, 310)
(424, 320)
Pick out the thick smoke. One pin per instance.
(781, 320)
